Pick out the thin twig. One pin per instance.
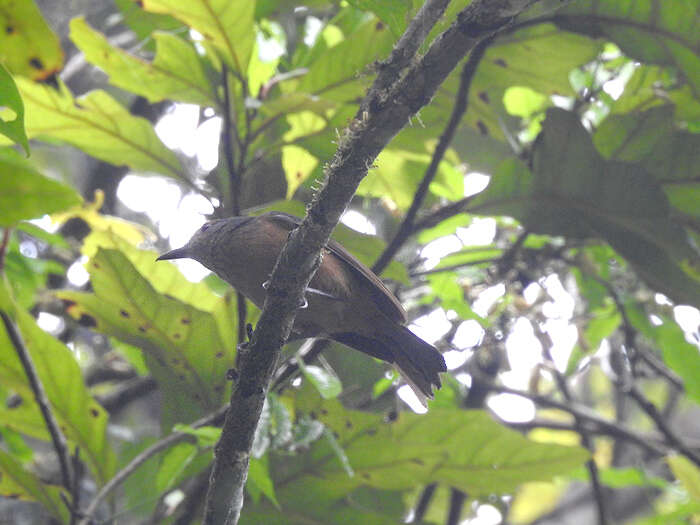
(457, 499)
(453, 267)
(586, 441)
(606, 427)
(424, 500)
(235, 183)
(140, 459)
(649, 408)
(3, 246)
(406, 228)
(57, 437)
(310, 355)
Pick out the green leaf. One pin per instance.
(398, 173)
(26, 194)
(575, 193)
(465, 449)
(653, 139)
(325, 381)
(228, 24)
(679, 355)
(183, 345)
(336, 74)
(12, 110)
(619, 478)
(144, 24)
(28, 47)
(297, 164)
(176, 73)
(538, 58)
(174, 462)
(97, 124)
(644, 33)
(27, 275)
(18, 483)
(687, 473)
(82, 420)
(393, 12)
(259, 480)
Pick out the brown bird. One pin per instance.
(346, 301)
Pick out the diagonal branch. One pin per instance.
(57, 437)
(382, 117)
(160, 445)
(407, 225)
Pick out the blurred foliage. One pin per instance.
(585, 118)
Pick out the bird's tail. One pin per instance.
(419, 362)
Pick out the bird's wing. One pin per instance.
(382, 296)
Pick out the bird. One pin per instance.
(345, 300)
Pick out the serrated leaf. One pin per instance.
(28, 46)
(82, 420)
(176, 73)
(182, 344)
(26, 194)
(18, 483)
(228, 24)
(12, 121)
(97, 124)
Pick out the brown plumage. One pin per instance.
(347, 302)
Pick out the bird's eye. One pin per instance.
(204, 228)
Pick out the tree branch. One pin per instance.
(382, 116)
(649, 408)
(406, 229)
(57, 437)
(121, 476)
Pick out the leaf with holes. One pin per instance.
(464, 449)
(28, 47)
(183, 347)
(81, 419)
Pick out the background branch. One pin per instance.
(57, 438)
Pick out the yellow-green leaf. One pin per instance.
(11, 110)
(28, 47)
(16, 482)
(97, 124)
(228, 24)
(176, 73)
(26, 194)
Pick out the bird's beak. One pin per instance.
(179, 253)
